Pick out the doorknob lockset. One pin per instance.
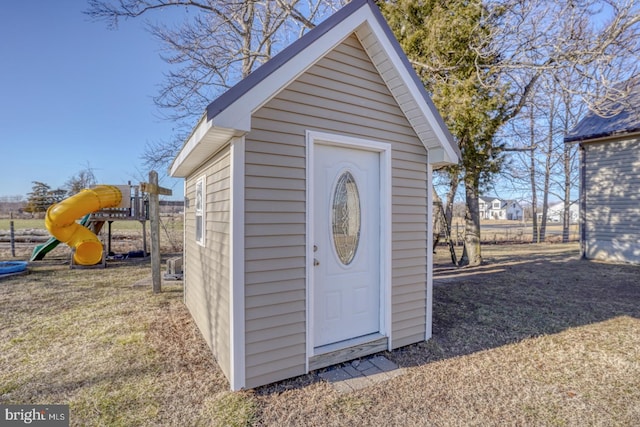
(316, 262)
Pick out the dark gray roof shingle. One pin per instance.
(626, 121)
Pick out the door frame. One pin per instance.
(384, 150)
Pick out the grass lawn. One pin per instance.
(534, 337)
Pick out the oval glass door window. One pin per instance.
(345, 221)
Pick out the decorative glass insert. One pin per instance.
(345, 221)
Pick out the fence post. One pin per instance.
(13, 239)
(154, 217)
(154, 191)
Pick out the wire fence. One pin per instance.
(513, 233)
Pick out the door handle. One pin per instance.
(316, 262)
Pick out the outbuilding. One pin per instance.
(308, 205)
(610, 178)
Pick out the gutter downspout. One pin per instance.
(583, 201)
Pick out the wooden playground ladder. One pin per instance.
(447, 233)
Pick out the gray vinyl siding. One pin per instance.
(612, 197)
(207, 280)
(343, 94)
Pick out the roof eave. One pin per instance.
(601, 136)
(204, 141)
(438, 157)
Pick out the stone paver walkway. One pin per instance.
(361, 373)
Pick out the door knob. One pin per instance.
(316, 262)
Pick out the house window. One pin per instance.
(200, 205)
(496, 205)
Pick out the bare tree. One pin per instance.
(594, 39)
(568, 53)
(217, 43)
(565, 174)
(514, 45)
(573, 111)
(85, 178)
(538, 152)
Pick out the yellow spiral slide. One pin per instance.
(61, 221)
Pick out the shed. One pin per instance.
(308, 205)
(610, 179)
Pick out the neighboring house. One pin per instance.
(491, 208)
(555, 212)
(494, 208)
(610, 179)
(308, 218)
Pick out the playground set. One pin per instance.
(94, 207)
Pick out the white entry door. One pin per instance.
(346, 234)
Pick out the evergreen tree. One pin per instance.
(446, 41)
(42, 196)
(38, 200)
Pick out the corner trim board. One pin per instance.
(429, 291)
(237, 306)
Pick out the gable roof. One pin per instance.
(488, 199)
(627, 121)
(230, 114)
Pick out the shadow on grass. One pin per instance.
(516, 297)
(519, 293)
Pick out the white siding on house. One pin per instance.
(342, 94)
(612, 198)
(207, 267)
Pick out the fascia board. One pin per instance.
(194, 139)
(415, 88)
(204, 141)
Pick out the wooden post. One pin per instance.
(13, 238)
(109, 237)
(154, 218)
(144, 237)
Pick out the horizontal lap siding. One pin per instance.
(274, 255)
(612, 183)
(341, 94)
(409, 253)
(207, 268)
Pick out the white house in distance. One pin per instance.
(610, 179)
(495, 208)
(308, 218)
(555, 212)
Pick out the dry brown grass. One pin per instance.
(535, 337)
(116, 353)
